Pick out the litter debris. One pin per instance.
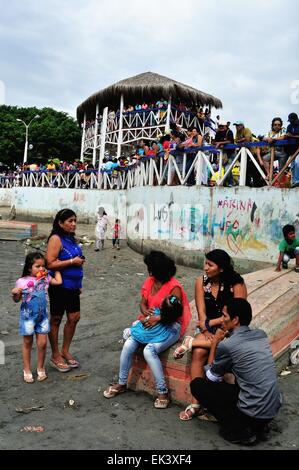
(139, 274)
(76, 377)
(71, 402)
(284, 373)
(4, 332)
(32, 429)
(31, 408)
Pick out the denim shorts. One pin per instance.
(31, 323)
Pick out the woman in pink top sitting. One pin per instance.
(160, 283)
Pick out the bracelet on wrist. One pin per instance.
(207, 325)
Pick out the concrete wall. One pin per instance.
(186, 221)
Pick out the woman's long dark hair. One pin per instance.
(61, 216)
(229, 276)
(29, 261)
(160, 266)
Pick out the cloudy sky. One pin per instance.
(58, 52)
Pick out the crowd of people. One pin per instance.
(223, 343)
(270, 153)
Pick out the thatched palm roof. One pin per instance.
(148, 87)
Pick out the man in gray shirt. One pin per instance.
(245, 408)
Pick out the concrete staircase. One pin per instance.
(274, 297)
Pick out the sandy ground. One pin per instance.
(109, 303)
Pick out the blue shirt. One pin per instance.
(71, 275)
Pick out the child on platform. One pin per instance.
(32, 289)
(288, 248)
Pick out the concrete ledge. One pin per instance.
(190, 258)
(11, 230)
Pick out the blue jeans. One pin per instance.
(151, 355)
(295, 170)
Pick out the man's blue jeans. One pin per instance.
(295, 170)
(151, 355)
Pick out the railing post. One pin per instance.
(243, 167)
(169, 172)
(199, 168)
(272, 156)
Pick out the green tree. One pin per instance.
(54, 135)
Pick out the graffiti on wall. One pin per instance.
(239, 223)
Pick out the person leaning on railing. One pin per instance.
(277, 133)
(293, 133)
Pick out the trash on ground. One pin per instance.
(32, 429)
(4, 332)
(77, 377)
(71, 402)
(139, 274)
(284, 373)
(29, 409)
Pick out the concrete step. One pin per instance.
(12, 230)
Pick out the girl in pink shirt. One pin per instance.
(32, 289)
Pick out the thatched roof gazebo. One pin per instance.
(105, 121)
(146, 86)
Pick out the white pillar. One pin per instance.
(243, 167)
(103, 140)
(167, 126)
(83, 138)
(120, 132)
(94, 153)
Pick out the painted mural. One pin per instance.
(246, 222)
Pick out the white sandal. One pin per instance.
(194, 408)
(41, 375)
(28, 377)
(185, 347)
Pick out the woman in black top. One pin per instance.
(212, 291)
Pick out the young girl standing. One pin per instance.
(32, 289)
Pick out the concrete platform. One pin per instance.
(274, 297)
(12, 230)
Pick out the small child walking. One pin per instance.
(116, 234)
(32, 289)
(288, 248)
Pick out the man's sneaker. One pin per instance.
(244, 437)
(284, 265)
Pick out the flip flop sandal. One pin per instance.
(60, 366)
(28, 377)
(112, 391)
(195, 410)
(41, 375)
(73, 363)
(161, 403)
